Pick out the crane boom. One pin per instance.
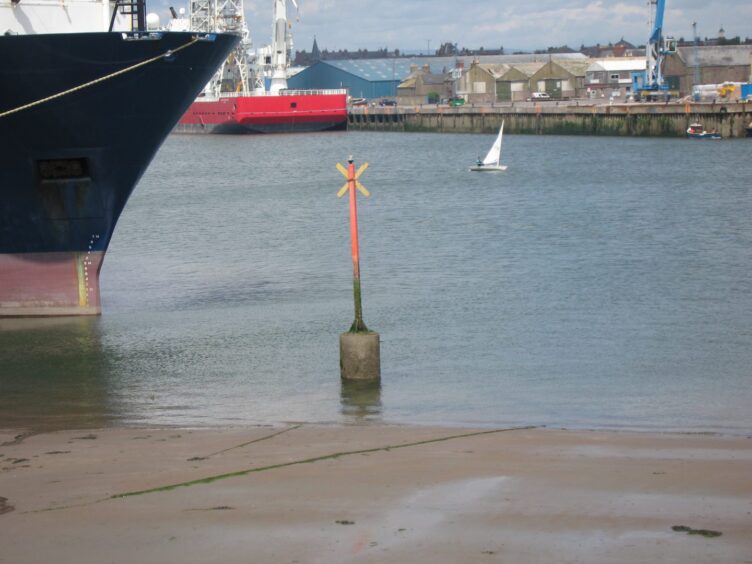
(657, 35)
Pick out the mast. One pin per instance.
(281, 45)
(695, 56)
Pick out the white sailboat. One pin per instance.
(492, 161)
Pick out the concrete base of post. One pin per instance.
(359, 356)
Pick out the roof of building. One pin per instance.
(717, 55)
(408, 83)
(617, 64)
(397, 68)
(575, 67)
(625, 44)
(561, 69)
(495, 70)
(431, 78)
(527, 69)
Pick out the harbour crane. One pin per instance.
(649, 84)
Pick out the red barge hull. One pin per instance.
(291, 111)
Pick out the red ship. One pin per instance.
(249, 93)
(283, 112)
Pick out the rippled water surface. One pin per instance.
(599, 282)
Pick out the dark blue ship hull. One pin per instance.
(69, 164)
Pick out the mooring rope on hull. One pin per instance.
(164, 55)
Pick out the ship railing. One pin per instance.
(313, 92)
(285, 93)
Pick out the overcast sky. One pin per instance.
(513, 24)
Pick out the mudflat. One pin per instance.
(373, 493)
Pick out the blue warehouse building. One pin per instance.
(363, 78)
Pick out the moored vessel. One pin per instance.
(289, 111)
(697, 131)
(82, 113)
(249, 94)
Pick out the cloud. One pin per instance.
(566, 25)
(521, 24)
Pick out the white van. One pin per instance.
(540, 96)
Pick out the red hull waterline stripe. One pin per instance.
(50, 284)
(266, 114)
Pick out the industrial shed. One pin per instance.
(712, 64)
(514, 84)
(478, 84)
(561, 78)
(363, 78)
(506, 78)
(379, 78)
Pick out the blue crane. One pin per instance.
(649, 84)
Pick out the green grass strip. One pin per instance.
(216, 478)
(267, 437)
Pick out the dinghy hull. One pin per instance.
(488, 168)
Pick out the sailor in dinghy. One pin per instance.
(492, 161)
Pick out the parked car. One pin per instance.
(456, 101)
(387, 102)
(539, 96)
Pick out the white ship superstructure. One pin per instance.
(31, 17)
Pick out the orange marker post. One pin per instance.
(350, 186)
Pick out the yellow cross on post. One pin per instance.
(346, 173)
(352, 183)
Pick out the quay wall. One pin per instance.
(646, 120)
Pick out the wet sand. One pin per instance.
(308, 493)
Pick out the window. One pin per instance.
(57, 169)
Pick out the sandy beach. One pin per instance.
(373, 493)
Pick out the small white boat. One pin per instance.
(697, 131)
(492, 161)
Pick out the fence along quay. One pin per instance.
(564, 118)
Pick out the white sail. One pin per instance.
(494, 155)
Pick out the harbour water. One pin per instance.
(598, 283)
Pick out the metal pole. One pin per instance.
(358, 325)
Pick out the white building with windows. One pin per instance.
(612, 76)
